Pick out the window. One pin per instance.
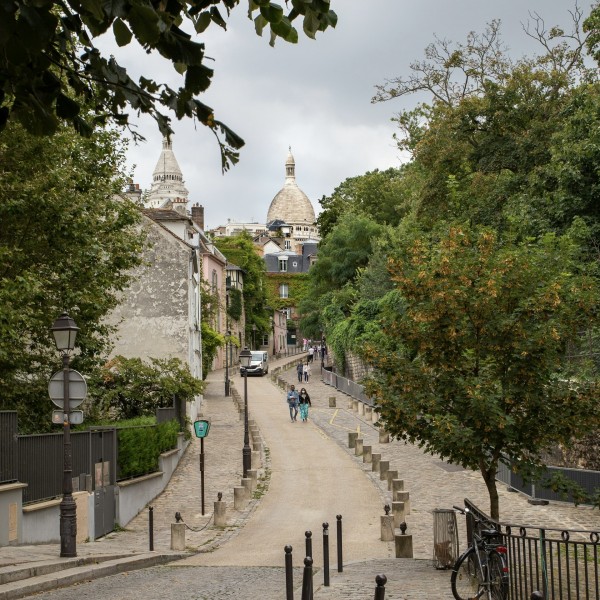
(288, 244)
(283, 265)
(283, 290)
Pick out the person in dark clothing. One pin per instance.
(304, 403)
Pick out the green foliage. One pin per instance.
(50, 69)
(478, 371)
(239, 249)
(67, 242)
(211, 341)
(236, 305)
(298, 289)
(141, 447)
(127, 387)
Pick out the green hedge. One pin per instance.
(140, 447)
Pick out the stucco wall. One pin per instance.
(153, 317)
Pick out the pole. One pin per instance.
(202, 472)
(246, 452)
(289, 574)
(326, 554)
(151, 528)
(68, 508)
(339, 543)
(380, 580)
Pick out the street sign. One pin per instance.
(75, 417)
(77, 389)
(201, 428)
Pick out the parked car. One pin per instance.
(259, 365)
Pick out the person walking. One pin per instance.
(303, 404)
(299, 371)
(306, 371)
(311, 353)
(292, 400)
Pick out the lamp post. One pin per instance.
(227, 342)
(254, 335)
(245, 359)
(64, 331)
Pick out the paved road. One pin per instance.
(311, 481)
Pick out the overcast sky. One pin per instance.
(314, 96)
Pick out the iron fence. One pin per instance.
(562, 563)
(346, 386)
(8, 448)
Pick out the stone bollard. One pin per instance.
(350, 404)
(247, 483)
(384, 436)
(399, 514)
(252, 423)
(358, 447)
(368, 413)
(384, 467)
(332, 402)
(397, 486)
(253, 476)
(387, 528)
(404, 546)
(361, 409)
(239, 498)
(255, 459)
(220, 514)
(375, 460)
(391, 475)
(177, 536)
(257, 446)
(367, 453)
(352, 436)
(404, 497)
(355, 405)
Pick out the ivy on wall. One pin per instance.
(297, 289)
(235, 304)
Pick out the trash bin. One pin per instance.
(445, 538)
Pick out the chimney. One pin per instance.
(198, 215)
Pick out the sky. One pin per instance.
(314, 96)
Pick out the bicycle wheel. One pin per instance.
(498, 576)
(467, 579)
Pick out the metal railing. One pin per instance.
(346, 386)
(562, 563)
(8, 448)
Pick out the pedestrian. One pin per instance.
(311, 353)
(304, 403)
(299, 370)
(292, 400)
(306, 371)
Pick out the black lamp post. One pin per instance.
(227, 342)
(254, 335)
(64, 331)
(245, 360)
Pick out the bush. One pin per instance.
(140, 447)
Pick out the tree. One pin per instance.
(50, 68)
(127, 388)
(67, 242)
(471, 361)
(239, 250)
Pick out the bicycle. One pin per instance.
(481, 571)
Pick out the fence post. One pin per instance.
(339, 543)
(537, 596)
(289, 574)
(307, 579)
(308, 535)
(151, 528)
(543, 561)
(380, 580)
(326, 554)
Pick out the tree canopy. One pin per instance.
(50, 68)
(67, 242)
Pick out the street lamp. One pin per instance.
(65, 331)
(254, 335)
(227, 342)
(245, 360)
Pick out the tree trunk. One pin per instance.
(489, 476)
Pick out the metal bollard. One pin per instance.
(339, 543)
(326, 554)
(537, 596)
(289, 574)
(151, 528)
(308, 535)
(307, 579)
(380, 580)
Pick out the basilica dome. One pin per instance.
(291, 204)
